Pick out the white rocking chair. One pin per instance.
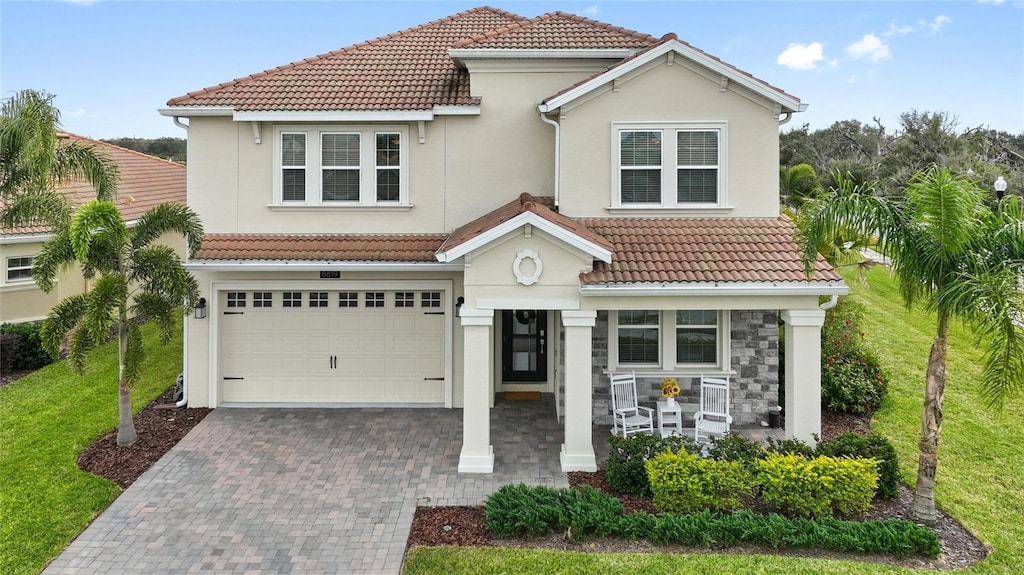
(630, 418)
(712, 419)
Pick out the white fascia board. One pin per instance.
(718, 289)
(188, 111)
(784, 100)
(456, 110)
(535, 53)
(519, 221)
(25, 239)
(336, 116)
(312, 266)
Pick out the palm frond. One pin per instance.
(44, 207)
(97, 222)
(158, 310)
(107, 295)
(56, 254)
(76, 161)
(168, 218)
(62, 318)
(80, 345)
(159, 270)
(135, 352)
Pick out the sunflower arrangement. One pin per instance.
(669, 387)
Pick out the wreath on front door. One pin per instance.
(526, 316)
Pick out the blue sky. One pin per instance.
(112, 64)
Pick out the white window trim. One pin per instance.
(667, 335)
(669, 196)
(8, 268)
(367, 166)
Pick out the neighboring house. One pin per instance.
(144, 182)
(487, 203)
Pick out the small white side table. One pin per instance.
(670, 419)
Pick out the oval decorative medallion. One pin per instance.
(527, 279)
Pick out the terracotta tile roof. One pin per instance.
(407, 70)
(144, 182)
(701, 250)
(664, 39)
(558, 30)
(343, 247)
(524, 203)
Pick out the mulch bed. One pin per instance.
(437, 526)
(158, 430)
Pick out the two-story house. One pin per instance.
(487, 203)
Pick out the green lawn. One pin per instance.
(46, 418)
(979, 478)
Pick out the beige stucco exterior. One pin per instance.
(23, 301)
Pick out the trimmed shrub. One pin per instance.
(518, 510)
(868, 446)
(790, 447)
(685, 483)
(29, 353)
(9, 343)
(523, 511)
(625, 466)
(817, 487)
(735, 447)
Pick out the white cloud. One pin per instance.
(802, 56)
(590, 11)
(869, 47)
(895, 30)
(79, 113)
(938, 23)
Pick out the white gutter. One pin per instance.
(187, 111)
(25, 239)
(789, 116)
(717, 289)
(558, 154)
(178, 123)
(312, 266)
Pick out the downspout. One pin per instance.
(178, 123)
(789, 116)
(831, 303)
(184, 367)
(558, 153)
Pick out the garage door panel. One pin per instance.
(333, 354)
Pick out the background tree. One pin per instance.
(134, 278)
(34, 160)
(959, 258)
(167, 148)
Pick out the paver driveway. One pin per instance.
(306, 490)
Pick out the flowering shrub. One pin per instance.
(851, 377)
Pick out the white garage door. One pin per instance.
(332, 346)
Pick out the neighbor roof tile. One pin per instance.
(558, 30)
(143, 182)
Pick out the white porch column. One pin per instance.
(578, 449)
(803, 373)
(477, 453)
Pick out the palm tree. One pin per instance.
(134, 278)
(959, 258)
(34, 160)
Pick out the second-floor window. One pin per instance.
(19, 268)
(669, 165)
(341, 167)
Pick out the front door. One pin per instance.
(524, 345)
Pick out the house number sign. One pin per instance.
(526, 277)
(330, 275)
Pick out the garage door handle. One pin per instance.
(433, 313)
(433, 379)
(234, 313)
(233, 378)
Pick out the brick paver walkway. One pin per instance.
(306, 490)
